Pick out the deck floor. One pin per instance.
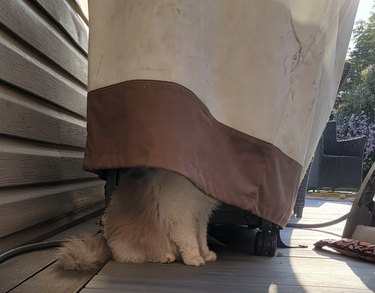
(292, 270)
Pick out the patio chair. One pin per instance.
(362, 212)
(337, 163)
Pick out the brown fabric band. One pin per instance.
(164, 125)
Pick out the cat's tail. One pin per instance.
(84, 253)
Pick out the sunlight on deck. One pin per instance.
(321, 274)
(331, 268)
(273, 288)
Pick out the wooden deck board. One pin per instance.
(53, 279)
(36, 271)
(251, 270)
(17, 270)
(240, 273)
(271, 289)
(292, 270)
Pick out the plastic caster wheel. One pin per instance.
(265, 243)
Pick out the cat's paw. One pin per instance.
(210, 256)
(169, 258)
(195, 260)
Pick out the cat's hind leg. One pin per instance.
(167, 255)
(183, 234)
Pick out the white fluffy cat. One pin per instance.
(154, 216)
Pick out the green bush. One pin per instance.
(354, 109)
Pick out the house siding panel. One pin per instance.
(43, 79)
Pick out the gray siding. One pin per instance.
(43, 77)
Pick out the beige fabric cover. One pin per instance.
(268, 69)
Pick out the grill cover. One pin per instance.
(233, 95)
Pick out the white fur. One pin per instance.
(84, 253)
(154, 216)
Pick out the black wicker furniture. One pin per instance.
(337, 165)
